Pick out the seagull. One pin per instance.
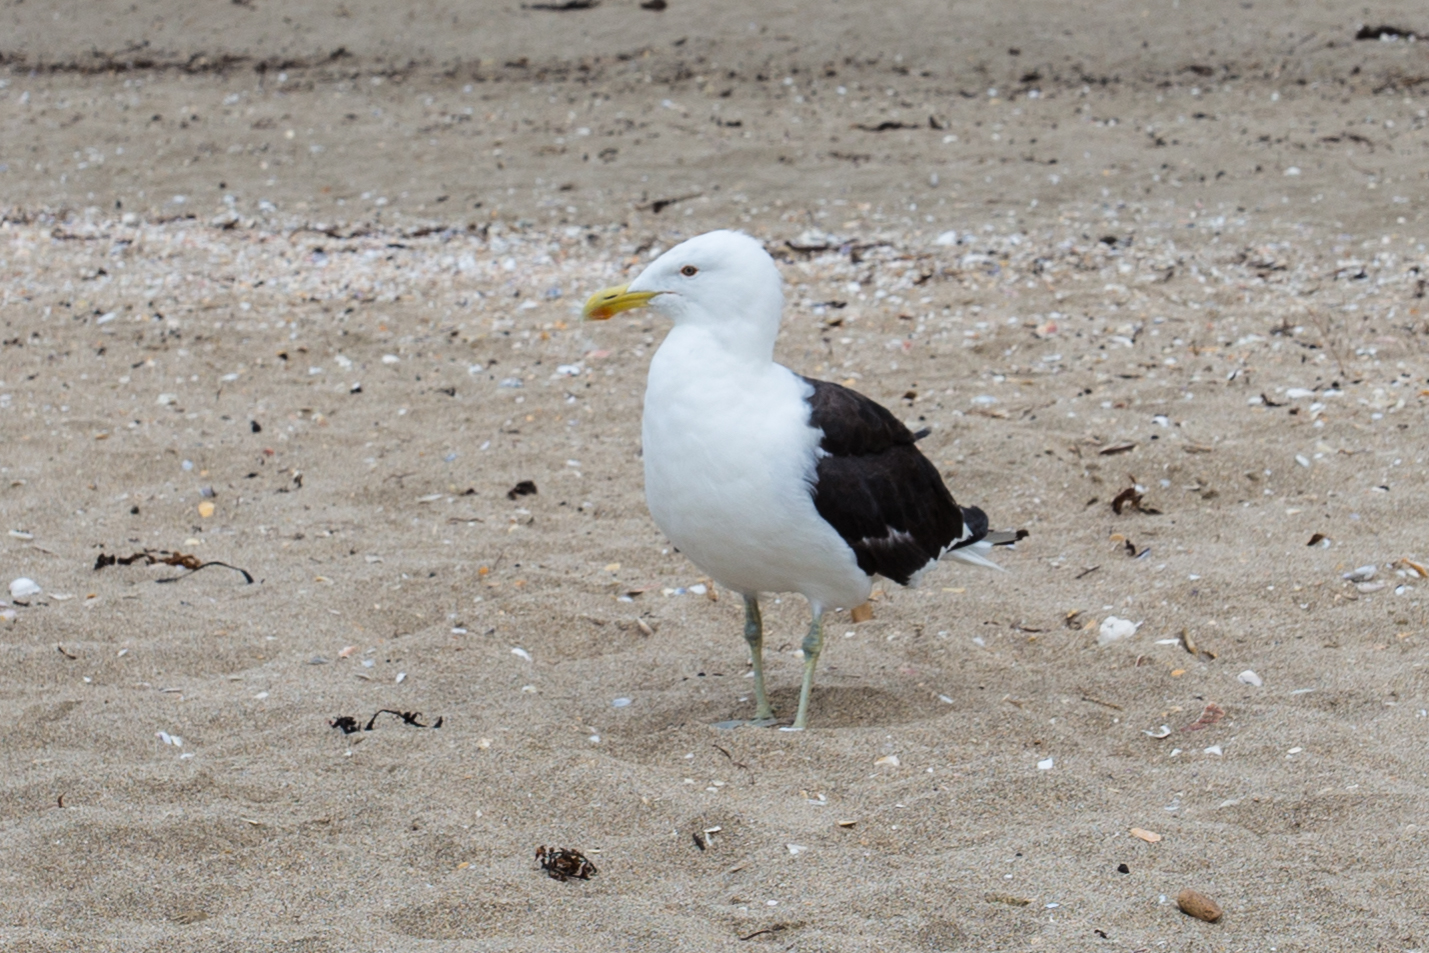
(768, 481)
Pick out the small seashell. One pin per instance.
(888, 760)
(521, 653)
(21, 534)
(1362, 574)
(1046, 764)
(1215, 750)
(347, 651)
(1250, 678)
(1370, 586)
(620, 703)
(205, 509)
(401, 677)
(1148, 836)
(795, 849)
(1114, 630)
(1163, 732)
(23, 587)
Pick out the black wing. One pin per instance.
(882, 495)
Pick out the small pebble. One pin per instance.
(620, 703)
(1196, 904)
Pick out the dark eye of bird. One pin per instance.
(689, 271)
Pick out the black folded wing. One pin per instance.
(878, 491)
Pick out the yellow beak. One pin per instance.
(605, 304)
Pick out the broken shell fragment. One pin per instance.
(1115, 630)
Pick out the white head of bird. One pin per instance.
(723, 283)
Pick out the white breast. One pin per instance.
(729, 461)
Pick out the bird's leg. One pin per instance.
(754, 635)
(813, 644)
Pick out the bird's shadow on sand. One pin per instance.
(853, 706)
(833, 706)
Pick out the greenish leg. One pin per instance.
(813, 645)
(754, 635)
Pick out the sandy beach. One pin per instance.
(292, 292)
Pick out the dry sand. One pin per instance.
(1173, 245)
